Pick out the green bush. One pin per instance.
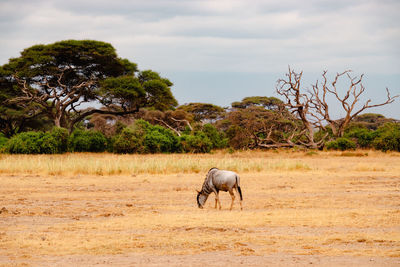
(341, 143)
(25, 143)
(364, 136)
(87, 141)
(198, 143)
(39, 142)
(388, 137)
(3, 142)
(142, 137)
(217, 138)
(127, 142)
(159, 139)
(61, 135)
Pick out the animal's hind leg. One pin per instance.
(233, 198)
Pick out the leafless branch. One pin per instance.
(185, 121)
(320, 108)
(170, 127)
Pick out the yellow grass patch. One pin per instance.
(294, 203)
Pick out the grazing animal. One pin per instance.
(219, 180)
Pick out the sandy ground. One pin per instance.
(207, 259)
(302, 217)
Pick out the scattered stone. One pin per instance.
(3, 210)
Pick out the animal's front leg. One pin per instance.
(217, 200)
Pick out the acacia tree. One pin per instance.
(371, 121)
(312, 106)
(270, 103)
(260, 122)
(16, 118)
(203, 112)
(60, 78)
(257, 127)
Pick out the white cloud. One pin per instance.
(214, 33)
(226, 35)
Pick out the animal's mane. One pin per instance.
(208, 174)
(213, 169)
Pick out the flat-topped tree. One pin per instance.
(270, 103)
(261, 122)
(63, 77)
(203, 112)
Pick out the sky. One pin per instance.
(220, 51)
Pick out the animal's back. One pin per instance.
(224, 180)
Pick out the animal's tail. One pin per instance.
(238, 188)
(240, 193)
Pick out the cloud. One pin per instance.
(224, 36)
(220, 35)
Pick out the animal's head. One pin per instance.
(201, 199)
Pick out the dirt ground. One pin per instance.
(334, 216)
(208, 259)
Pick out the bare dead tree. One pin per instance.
(312, 106)
(348, 101)
(298, 102)
(269, 142)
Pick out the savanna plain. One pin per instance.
(300, 208)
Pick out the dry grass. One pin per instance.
(322, 203)
(243, 162)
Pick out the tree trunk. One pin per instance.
(57, 122)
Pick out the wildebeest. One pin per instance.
(219, 180)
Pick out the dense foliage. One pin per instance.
(240, 128)
(87, 141)
(131, 111)
(53, 142)
(387, 137)
(51, 82)
(341, 143)
(3, 142)
(142, 137)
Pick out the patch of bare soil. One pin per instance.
(207, 259)
(293, 218)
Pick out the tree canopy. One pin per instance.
(203, 112)
(85, 87)
(56, 80)
(271, 103)
(260, 122)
